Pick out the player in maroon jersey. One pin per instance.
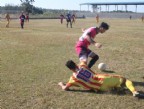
(22, 19)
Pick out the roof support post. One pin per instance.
(100, 8)
(136, 9)
(126, 8)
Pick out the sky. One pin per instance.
(73, 4)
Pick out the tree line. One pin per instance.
(27, 7)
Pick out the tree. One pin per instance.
(27, 1)
(27, 5)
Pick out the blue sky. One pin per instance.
(72, 4)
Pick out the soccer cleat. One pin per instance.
(139, 95)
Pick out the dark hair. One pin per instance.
(104, 25)
(70, 64)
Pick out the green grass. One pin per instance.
(33, 62)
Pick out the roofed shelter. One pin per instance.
(95, 6)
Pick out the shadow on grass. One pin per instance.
(78, 90)
(138, 83)
(113, 91)
(109, 71)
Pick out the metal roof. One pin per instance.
(114, 3)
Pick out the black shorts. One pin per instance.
(68, 20)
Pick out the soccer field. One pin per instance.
(33, 62)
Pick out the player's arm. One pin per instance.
(98, 45)
(63, 86)
(83, 30)
(83, 64)
(90, 39)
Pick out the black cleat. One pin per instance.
(139, 95)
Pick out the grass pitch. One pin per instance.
(33, 62)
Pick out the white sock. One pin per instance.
(135, 93)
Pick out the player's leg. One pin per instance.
(61, 20)
(67, 23)
(82, 53)
(71, 23)
(7, 24)
(94, 57)
(22, 24)
(73, 20)
(131, 87)
(110, 81)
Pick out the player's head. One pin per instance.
(68, 12)
(71, 65)
(103, 27)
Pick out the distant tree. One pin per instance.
(37, 10)
(27, 5)
(28, 1)
(11, 8)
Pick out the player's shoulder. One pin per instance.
(92, 28)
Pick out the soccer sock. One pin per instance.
(130, 86)
(93, 60)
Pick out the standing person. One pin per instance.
(7, 17)
(85, 40)
(97, 18)
(142, 18)
(61, 18)
(87, 79)
(130, 17)
(68, 19)
(27, 17)
(22, 19)
(73, 18)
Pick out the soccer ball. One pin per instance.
(102, 66)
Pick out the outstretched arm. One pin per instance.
(83, 30)
(63, 86)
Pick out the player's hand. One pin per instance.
(83, 30)
(60, 83)
(98, 45)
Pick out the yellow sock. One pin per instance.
(130, 86)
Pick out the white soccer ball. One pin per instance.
(102, 66)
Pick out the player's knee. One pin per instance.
(96, 57)
(83, 58)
